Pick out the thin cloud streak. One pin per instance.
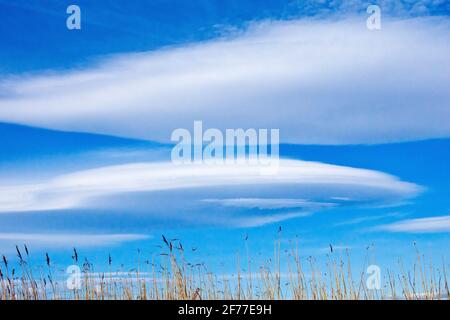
(422, 225)
(69, 239)
(257, 203)
(364, 219)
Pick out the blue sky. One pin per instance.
(86, 117)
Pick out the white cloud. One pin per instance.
(259, 220)
(234, 187)
(423, 225)
(319, 81)
(268, 203)
(371, 218)
(68, 239)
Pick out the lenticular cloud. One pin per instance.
(233, 194)
(318, 81)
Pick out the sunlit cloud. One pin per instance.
(257, 203)
(422, 225)
(370, 218)
(67, 239)
(237, 194)
(319, 81)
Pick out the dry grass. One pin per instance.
(170, 276)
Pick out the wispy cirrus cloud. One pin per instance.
(422, 225)
(320, 81)
(68, 239)
(371, 218)
(259, 203)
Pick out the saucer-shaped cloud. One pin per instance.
(234, 194)
(318, 81)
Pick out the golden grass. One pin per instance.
(169, 276)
